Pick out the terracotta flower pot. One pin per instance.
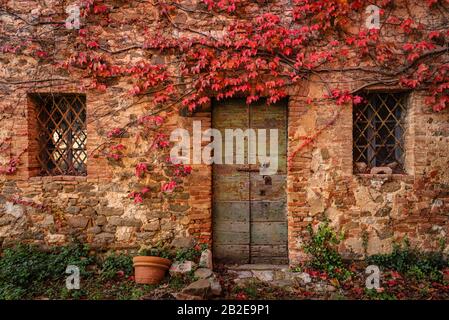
(150, 270)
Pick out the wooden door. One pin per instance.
(249, 209)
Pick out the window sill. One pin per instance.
(395, 176)
(57, 178)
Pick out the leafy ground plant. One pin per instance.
(412, 262)
(117, 265)
(372, 294)
(157, 251)
(191, 254)
(322, 248)
(27, 272)
(25, 268)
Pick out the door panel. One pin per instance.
(268, 211)
(270, 188)
(230, 254)
(268, 233)
(231, 219)
(249, 210)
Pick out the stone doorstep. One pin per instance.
(268, 273)
(262, 272)
(257, 267)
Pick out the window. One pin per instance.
(61, 120)
(378, 132)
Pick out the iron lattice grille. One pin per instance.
(378, 131)
(62, 134)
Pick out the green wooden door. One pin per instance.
(249, 209)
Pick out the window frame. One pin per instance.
(400, 128)
(75, 122)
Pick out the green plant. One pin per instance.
(411, 262)
(365, 240)
(191, 254)
(158, 251)
(72, 294)
(442, 242)
(124, 290)
(26, 272)
(113, 264)
(11, 292)
(76, 254)
(178, 282)
(24, 269)
(297, 269)
(374, 295)
(322, 247)
(250, 289)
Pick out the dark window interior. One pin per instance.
(62, 133)
(378, 132)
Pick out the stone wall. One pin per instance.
(373, 211)
(96, 208)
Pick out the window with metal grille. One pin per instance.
(62, 133)
(378, 131)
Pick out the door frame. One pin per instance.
(287, 147)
